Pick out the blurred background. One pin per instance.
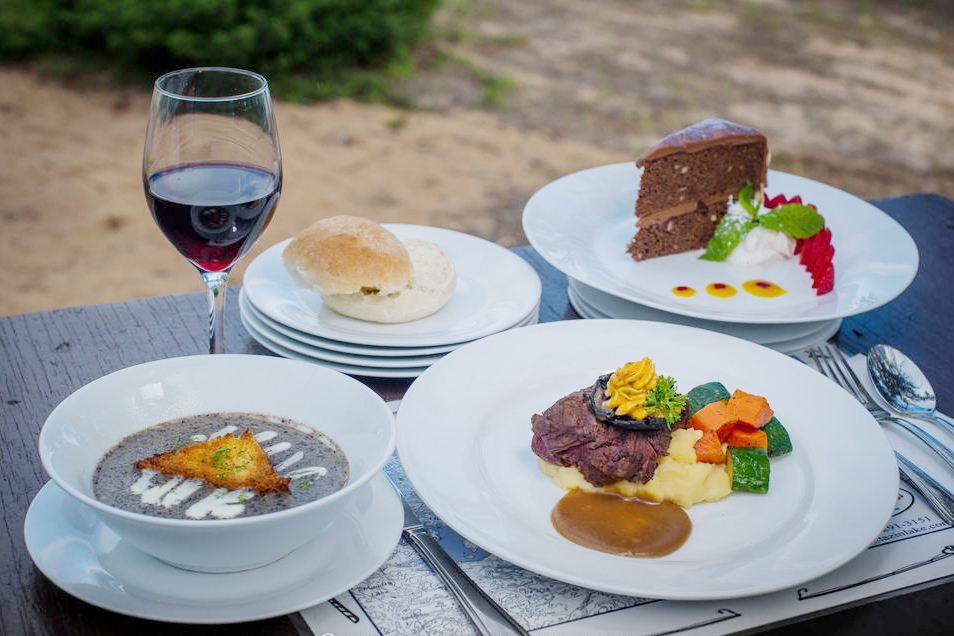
(442, 112)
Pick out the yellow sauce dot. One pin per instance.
(721, 290)
(683, 291)
(763, 288)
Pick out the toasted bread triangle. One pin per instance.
(226, 461)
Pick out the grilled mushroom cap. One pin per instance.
(609, 416)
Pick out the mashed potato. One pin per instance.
(679, 477)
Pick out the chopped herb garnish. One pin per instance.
(304, 483)
(222, 458)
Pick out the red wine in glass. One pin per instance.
(212, 171)
(212, 212)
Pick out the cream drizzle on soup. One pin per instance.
(314, 463)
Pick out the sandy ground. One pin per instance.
(76, 229)
(862, 102)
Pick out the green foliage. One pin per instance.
(320, 39)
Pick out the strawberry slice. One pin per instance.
(816, 254)
(825, 281)
(781, 199)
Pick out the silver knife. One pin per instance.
(488, 617)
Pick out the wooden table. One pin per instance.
(46, 356)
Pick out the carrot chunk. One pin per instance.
(709, 449)
(711, 417)
(748, 409)
(742, 435)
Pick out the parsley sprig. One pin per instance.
(664, 398)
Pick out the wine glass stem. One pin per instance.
(218, 283)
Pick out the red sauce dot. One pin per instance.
(763, 284)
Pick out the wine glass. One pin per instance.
(212, 171)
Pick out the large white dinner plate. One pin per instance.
(88, 560)
(495, 290)
(582, 224)
(464, 440)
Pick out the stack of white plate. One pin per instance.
(582, 223)
(496, 290)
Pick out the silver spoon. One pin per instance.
(903, 384)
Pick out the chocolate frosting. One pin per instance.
(699, 136)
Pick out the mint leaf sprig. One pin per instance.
(795, 219)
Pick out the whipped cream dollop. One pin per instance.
(760, 244)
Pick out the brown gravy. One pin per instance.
(624, 526)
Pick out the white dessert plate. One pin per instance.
(481, 478)
(582, 224)
(496, 289)
(784, 337)
(89, 561)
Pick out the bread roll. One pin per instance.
(431, 286)
(364, 271)
(348, 254)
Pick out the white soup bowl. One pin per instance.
(86, 425)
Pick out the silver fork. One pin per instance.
(838, 369)
(832, 364)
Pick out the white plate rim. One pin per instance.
(458, 484)
(253, 323)
(803, 334)
(818, 334)
(763, 333)
(349, 369)
(383, 520)
(246, 306)
(504, 287)
(574, 219)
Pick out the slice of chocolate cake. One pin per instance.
(686, 183)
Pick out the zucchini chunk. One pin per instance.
(779, 443)
(748, 468)
(705, 394)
